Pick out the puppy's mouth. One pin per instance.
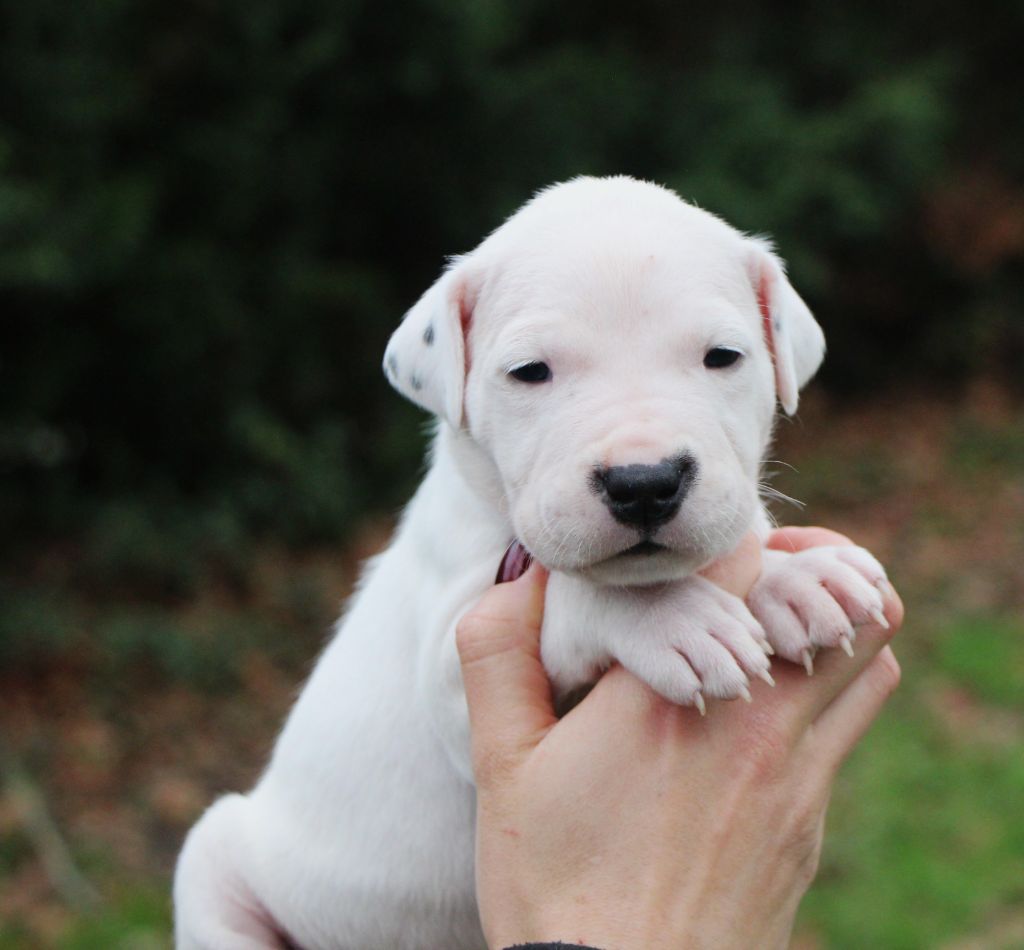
(641, 564)
(644, 548)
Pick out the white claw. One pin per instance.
(844, 642)
(766, 676)
(767, 647)
(878, 617)
(698, 701)
(745, 694)
(808, 659)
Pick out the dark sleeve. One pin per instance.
(550, 946)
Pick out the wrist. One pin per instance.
(592, 931)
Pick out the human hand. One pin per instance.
(738, 571)
(634, 823)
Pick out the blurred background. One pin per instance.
(213, 213)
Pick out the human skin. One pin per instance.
(634, 823)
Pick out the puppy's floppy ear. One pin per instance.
(794, 338)
(425, 359)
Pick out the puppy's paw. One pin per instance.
(698, 641)
(817, 598)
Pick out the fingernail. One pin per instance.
(844, 642)
(698, 701)
(766, 676)
(514, 563)
(808, 662)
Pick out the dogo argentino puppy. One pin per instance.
(605, 368)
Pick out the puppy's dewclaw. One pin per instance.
(606, 369)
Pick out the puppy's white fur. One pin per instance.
(360, 832)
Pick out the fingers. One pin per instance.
(506, 687)
(842, 723)
(797, 539)
(738, 571)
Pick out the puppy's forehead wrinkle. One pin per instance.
(531, 328)
(618, 297)
(615, 225)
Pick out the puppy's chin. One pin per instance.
(641, 569)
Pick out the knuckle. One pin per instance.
(472, 633)
(491, 768)
(804, 835)
(807, 856)
(467, 630)
(764, 751)
(484, 633)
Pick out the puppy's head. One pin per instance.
(617, 355)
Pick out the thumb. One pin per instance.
(739, 570)
(506, 687)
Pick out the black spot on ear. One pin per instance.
(392, 365)
(415, 382)
(428, 334)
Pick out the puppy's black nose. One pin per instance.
(646, 496)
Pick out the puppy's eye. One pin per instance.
(719, 357)
(531, 373)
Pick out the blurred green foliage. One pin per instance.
(988, 654)
(138, 919)
(211, 216)
(923, 827)
(923, 840)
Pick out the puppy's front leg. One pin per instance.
(687, 640)
(439, 674)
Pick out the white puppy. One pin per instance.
(605, 368)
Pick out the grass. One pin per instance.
(135, 919)
(926, 840)
(986, 655)
(137, 695)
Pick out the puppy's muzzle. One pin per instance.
(645, 496)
